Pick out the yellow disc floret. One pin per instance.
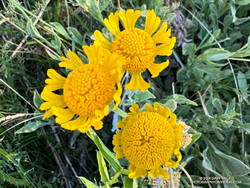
(134, 44)
(146, 145)
(149, 140)
(88, 88)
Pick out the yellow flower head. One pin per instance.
(138, 46)
(86, 92)
(150, 140)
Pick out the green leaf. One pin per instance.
(7, 156)
(245, 52)
(242, 2)
(37, 101)
(32, 126)
(92, 7)
(76, 36)
(87, 183)
(188, 48)
(234, 165)
(56, 43)
(181, 99)
(130, 183)
(138, 97)
(55, 57)
(102, 168)
(60, 29)
(214, 54)
(207, 164)
(33, 32)
(195, 137)
(107, 154)
(246, 127)
(171, 104)
(243, 86)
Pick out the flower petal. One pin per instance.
(63, 115)
(101, 40)
(73, 62)
(155, 69)
(112, 23)
(137, 83)
(78, 123)
(166, 48)
(152, 22)
(129, 18)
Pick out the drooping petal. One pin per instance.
(47, 114)
(137, 83)
(166, 48)
(159, 172)
(155, 69)
(63, 115)
(129, 18)
(162, 35)
(112, 23)
(152, 22)
(117, 96)
(101, 40)
(75, 124)
(137, 172)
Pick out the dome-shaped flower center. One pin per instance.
(137, 46)
(147, 140)
(88, 88)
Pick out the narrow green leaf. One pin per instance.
(76, 36)
(207, 164)
(102, 168)
(31, 126)
(55, 57)
(87, 183)
(107, 154)
(243, 86)
(7, 155)
(235, 166)
(130, 183)
(181, 99)
(214, 54)
(37, 101)
(60, 29)
(32, 31)
(195, 137)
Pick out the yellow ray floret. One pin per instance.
(149, 140)
(137, 46)
(86, 92)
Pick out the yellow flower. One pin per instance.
(138, 47)
(81, 100)
(150, 140)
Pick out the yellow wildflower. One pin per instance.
(138, 47)
(150, 140)
(86, 92)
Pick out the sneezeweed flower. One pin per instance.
(137, 46)
(150, 140)
(86, 92)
